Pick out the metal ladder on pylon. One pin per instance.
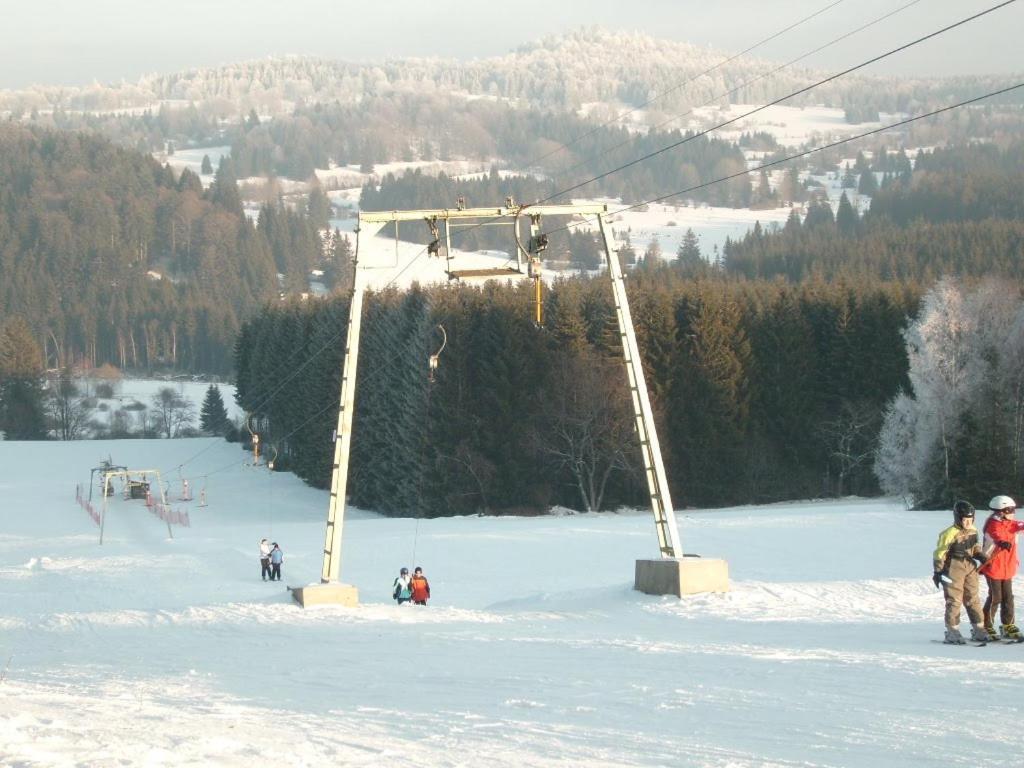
(654, 467)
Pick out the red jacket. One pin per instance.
(1002, 563)
(420, 589)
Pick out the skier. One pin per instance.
(420, 587)
(402, 587)
(957, 574)
(265, 558)
(1001, 547)
(276, 558)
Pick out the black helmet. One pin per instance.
(963, 509)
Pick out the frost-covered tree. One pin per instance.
(958, 428)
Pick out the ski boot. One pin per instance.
(1010, 632)
(993, 636)
(953, 637)
(979, 635)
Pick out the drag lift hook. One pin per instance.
(434, 246)
(255, 440)
(434, 359)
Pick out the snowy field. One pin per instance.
(130, 392)
(534, 651)
(791, 126)
(193, 160)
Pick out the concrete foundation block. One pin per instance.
(682, 576)
(326, 594)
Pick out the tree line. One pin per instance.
(111, 258)
(762, 391)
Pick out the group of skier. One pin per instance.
(960, 556)
(415, 588)
(271, 558)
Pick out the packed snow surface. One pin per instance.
(534, 651)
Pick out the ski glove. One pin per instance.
(937, 579)
(980, 559)
(1004, 545)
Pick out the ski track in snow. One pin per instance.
(535, 651)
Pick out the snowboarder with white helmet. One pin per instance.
(954, 561)
(1000, 544)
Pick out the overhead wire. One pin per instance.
(747, 83)
(781, 99)
(799, 155)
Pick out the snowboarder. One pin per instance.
(420, 587)
(1001, 547)
(402, 591)
(265, 558)
(276, 558)
(955, 571)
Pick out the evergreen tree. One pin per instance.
(21, 394)
(213, 416)
(867, 184)
(318, 207)
(207, 167)
(688, 258)
(846, 217)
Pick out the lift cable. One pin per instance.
(753, 80)
(798, 92)
(798, 155)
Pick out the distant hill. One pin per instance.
(563, 72)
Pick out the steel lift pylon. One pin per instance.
(672, 572)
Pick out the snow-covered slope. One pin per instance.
(534, 650)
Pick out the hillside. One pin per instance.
(111, 258)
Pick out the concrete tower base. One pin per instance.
(682, 576)
(326, 594)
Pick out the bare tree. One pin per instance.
(70, 411)
(851, 438)
(171, 412)
(590, 428)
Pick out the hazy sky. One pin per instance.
(74, 42)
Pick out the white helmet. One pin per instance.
(1002, 502)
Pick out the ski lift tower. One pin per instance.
(671, 573)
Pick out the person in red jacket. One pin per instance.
(420, 587)
(1000, 545)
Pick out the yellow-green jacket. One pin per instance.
(956, 542)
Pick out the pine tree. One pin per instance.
(867, 184)
(846, 217)
(207, 166)
(213, 417)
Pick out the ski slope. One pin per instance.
(534, 651)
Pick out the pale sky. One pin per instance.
(73, 42)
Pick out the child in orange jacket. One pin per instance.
(420, 587)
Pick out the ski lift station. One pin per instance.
(672, 572)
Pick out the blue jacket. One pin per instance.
(276, 556)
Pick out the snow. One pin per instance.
(193, 160)
(534, 651)
(668, 224)
(345, 176)
(129, 391)
(791, 126)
